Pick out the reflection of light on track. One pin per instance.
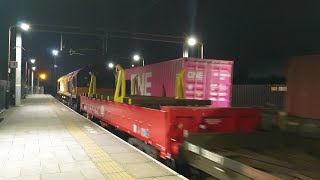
(90, 130)
(219, 169)
(63, 109)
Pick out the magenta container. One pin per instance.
(204, 79)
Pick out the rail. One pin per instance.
(254, 155)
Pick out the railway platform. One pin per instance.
(43, 139)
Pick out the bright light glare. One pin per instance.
(24, 26)
(33, 68)
(192, 41)
(43, 76)
(110, 65)
(32, 61)
(55, 52)
(61, 87)
(217, 168)
(132, 65)
(136, 57)
(55, 66)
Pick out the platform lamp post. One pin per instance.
(137, 58)
(32, 61)
(41, 76)
(24, 27)
(192, 41)
(32, 79)
(55, 53)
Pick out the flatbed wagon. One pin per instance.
(165, 123)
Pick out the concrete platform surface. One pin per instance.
(43, 139)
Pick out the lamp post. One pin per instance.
(32, 61)
(192, 41)
(136, 58)
(42, 76)
(24, 27)
(55, 53)
(32, 79)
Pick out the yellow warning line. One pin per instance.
(107, 166)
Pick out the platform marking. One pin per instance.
(92, 131)
(107, 166)
(63, 109)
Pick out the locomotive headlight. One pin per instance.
(61, 88)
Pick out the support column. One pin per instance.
(18, 70)
(61, 44)
(38, 85)
(32, 78)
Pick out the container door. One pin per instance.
(195, 77)
(219, 84)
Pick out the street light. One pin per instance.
(24, 27)
(43, 76)
(32, 61)
(32, 78)
(137, 58)
(111, 65)
(55, 52)
(192, 41)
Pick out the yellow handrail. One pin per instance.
(93, 85)
(180, 88)
(120, 92)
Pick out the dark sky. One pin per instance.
(258, 35)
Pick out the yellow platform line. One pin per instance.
(107, 166)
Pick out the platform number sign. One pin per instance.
(13, 64)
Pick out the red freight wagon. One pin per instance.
(204, 79)
(166, 128)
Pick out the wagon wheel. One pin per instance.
(133, 142)
(140, 145)
(153, 152)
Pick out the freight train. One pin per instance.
(221, 142)
(159, 125)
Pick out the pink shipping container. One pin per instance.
(204, 79)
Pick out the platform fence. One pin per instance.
(248, 95)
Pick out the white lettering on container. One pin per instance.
(140, 83)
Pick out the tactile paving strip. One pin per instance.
(107, 166)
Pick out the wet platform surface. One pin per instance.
(43, 139)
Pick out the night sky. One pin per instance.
(257, 35)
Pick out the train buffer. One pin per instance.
(44, 139)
